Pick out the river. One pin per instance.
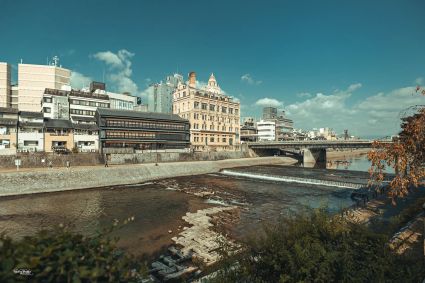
(159, 206)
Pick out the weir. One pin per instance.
(291, 179)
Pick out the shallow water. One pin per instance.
(158, 206)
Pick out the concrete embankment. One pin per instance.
(45, 180)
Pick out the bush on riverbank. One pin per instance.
(317, 247)
(59, 255)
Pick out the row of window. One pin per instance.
(211, 139)
(82, 112)
(213, 118)
(211, 107)
(89, 103)
(80, 102)
(213, 128)
(147, 125)
(143, 135)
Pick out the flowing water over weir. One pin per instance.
(291, 179)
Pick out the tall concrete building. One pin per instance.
(160, 96)
(34, 79)
(5, 87)
(214, 117)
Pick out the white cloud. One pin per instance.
(354, 87)
(377, 115)
(264, 102)
(419, 81)
(79, 80)
(120, 71)
(250, 80)
(304, 95)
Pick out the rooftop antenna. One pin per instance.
(103, 75)
(55, 60)
(22, 61)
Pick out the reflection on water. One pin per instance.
(156, 211)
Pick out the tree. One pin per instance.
(316, 246)
(406, 154)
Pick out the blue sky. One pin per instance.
(339, 64)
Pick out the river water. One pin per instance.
(159, 206)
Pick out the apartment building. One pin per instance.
(5, 85)
(34, 79)
(213, 116)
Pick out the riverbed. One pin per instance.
(158, 206)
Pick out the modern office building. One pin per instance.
(34, 79)
(214, 117)
(160, 95)
(141, 130)
(5, 85)
(266, 130)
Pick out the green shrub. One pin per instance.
(59, 255)
(317, 247)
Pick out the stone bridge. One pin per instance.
(306, 151)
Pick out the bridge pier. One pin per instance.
(314, 155)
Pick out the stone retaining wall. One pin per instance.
(62, 179)
(34, 160)
(152, 157)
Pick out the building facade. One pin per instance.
(160, 95)
(284, 126)
(67, 104)
(266, 131)
(249, 132)
(8, 130)
(31, 132)
(5, 85)
(34, 79)
(141, 130)
(214, 117)
(86, 134)
(122, 101)
(58, 135)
